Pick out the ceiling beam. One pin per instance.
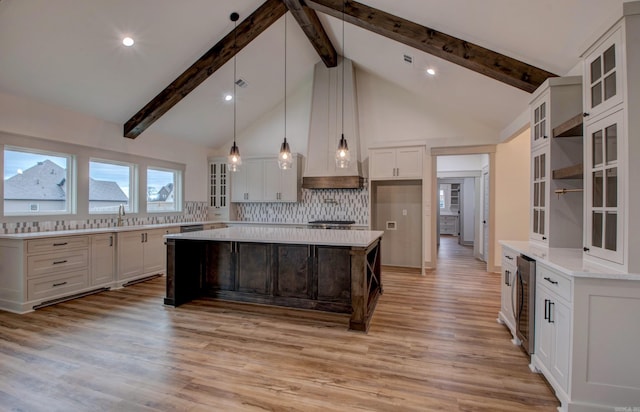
(471, 56)
(205, 66)
(310, 24)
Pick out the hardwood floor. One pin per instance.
(434, 344)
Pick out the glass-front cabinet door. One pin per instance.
(539, 195)
(218, 185)
(604, 208)
(603, 86)
(540, 127)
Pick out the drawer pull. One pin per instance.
(59, 284)
(546, 309)
(553, 282)
(59, 262)
(61, 244)
(508, 257)
(550, 311)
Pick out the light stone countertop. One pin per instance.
(285, 235)
(567, 261)
(94, 231)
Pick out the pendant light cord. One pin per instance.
(235, 52)
(343, 57)
(285, 77)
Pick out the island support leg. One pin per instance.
(365, 285)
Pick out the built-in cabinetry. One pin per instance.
(103, 258)
(553, 326)
(556, 220)
(218, 189)
(261, 180)
(141, 253)
(612, 131)
(507, 290)
(396, 163)
(449, 225)
(38, 271)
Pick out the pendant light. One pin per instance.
(234, 160)
(284, 157)
(342, 154)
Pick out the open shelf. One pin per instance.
(569, 128)
(570, 172)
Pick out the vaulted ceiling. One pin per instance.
(69, 53)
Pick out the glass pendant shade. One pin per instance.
(284, 158)
(234, 160)
(342, 154)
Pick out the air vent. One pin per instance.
(241, 82)
(408, 59)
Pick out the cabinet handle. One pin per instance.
(546, 310)
(586, 249)
(545, 136)
(60, 244)
(59, 284)
(508, 257)
(59, 262)
(146, 237)
(544, 238)
(110, 241)
(585, 114)
(141, 237)
(553, 282)
(550, 320)
(506, 277)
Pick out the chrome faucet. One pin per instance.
(120, 214)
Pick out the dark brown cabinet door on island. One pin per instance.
(293, 271)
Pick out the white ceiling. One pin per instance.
(69, 53)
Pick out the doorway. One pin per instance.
(469, 165)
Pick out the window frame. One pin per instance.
(71, 182)
(132, 206)
(178, 185)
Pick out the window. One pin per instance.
(164, 190)
(38, 182)
(441, 199)
(111, 184)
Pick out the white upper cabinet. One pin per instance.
(540, 126)
(396, 163)
(556, 164)
(261, 180)
(604, 189)
(612, 145)
(218, 189)
(604, 76)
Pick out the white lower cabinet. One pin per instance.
(103, 258)
(141, 253)
(553, 330)
(507, 290)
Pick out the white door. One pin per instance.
(485, 214)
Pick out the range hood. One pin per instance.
(325, 129)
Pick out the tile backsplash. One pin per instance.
(317, 204)
(193, 212)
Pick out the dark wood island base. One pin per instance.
(342, 279)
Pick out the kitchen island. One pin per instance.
(327, 270)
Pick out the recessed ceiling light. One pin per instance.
(228, 97)
(431, 71)
(128, 41)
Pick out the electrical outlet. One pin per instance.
(404, 212)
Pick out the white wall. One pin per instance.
(22, 116)
(512, 191)
(264, 136)
(462, 163)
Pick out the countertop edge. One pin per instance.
(568, 261)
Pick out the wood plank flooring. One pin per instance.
(434, 345)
